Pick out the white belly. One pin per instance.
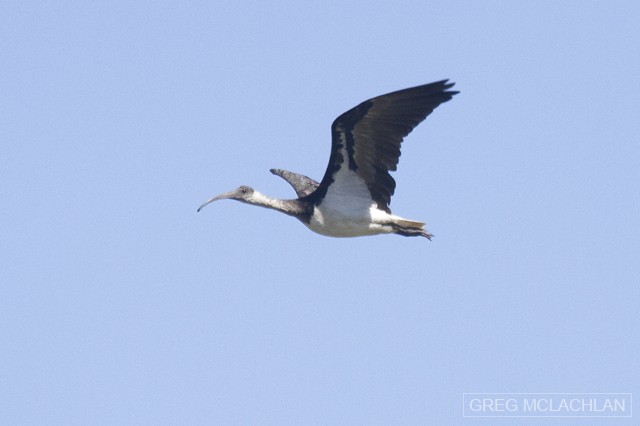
(347, 209)
(345, 223)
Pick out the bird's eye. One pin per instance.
(244, 191)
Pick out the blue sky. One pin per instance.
(120, 305)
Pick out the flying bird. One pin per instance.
(353, 197)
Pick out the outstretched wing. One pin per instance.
(366, 139)
(303, 185)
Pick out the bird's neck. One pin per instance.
(289, 207)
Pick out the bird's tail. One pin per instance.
(410, 228)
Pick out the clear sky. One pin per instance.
(120, 305)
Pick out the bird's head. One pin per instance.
(243, 193)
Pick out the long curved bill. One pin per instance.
(211, 200)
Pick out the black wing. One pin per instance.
(303, 185)
(367, 138)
